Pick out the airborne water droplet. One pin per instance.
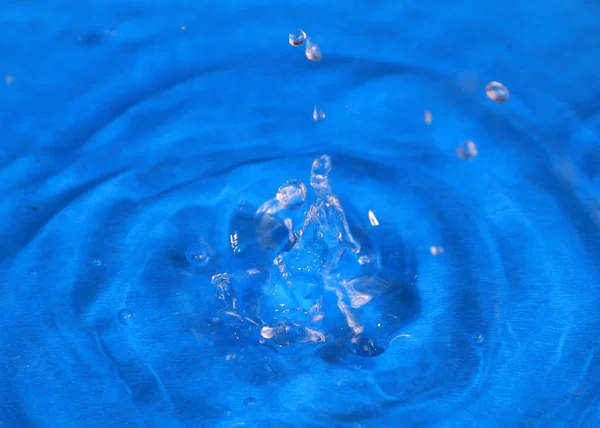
(126, 316)
(297, 37)
(466, 150)
(373, 219)
(436, 250)
(197, 255)
(496, 91)
(428, 117)
(267, 332)
(318, 115)
(321, 166)
(313, 51)
(291, 194)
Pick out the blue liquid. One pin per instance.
(134, 139)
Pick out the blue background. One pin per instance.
(126, 138)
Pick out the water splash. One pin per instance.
(322, 284)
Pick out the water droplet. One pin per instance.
(313, 51)
(478, 338)
(321, 166)
(436, 250)
(297, 37)
(249, 402)
(318, 115)
(97, 262)
(428, 117)
(291, 194)
(466, 150)
(33, 272)
(197, 255)
(364, 260)
(373, 219)
(496, 91)
(126, 316)
(268, 332)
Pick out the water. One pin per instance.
(132, 133)
(297, 37)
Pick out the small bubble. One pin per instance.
(297, 37)
(97, 262)
(9, 80)
(466, 150)
(312, 51)
(428, 117)
(33, 272)
(478, 338)
(183, 28)
(126, 316)
(436, 250)
(291, 194)
(197, 255)
(496, 91)
(249, 402)
(318, 115)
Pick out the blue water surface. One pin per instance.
(152, 274)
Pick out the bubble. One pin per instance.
(197, 255)
(97, 262)
(496, 91)
(9, 80)
(297, 37)
(291, 194)
(466, 150)
(312, 51)
(478, 338)
(436, 250)
(249, 402)
(33, 272)
(126, 316)
(318, 115)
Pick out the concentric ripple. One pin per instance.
(183, 244)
